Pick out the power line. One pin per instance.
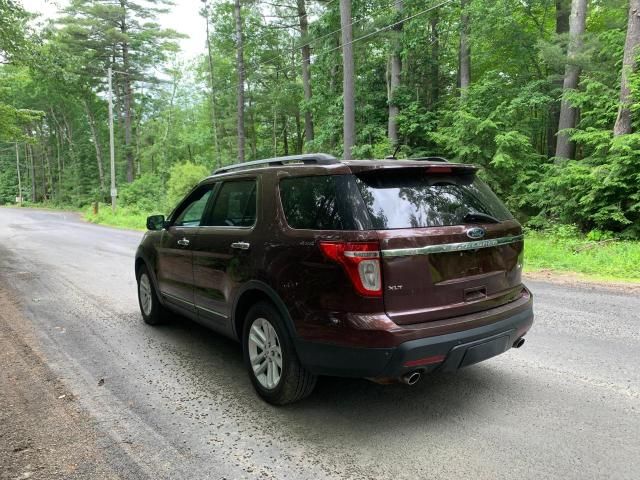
(387, 27)
(332, 49)
(293, 6)
(321, 37)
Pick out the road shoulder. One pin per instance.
(43, 432)
(575, 280)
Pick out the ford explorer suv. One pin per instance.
(385, 269)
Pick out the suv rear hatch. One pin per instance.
(449, 246)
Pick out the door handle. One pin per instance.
(183, 242)
(241, 245)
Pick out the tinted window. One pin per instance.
(235, 205)
(410, 199)
(327, 202)
(191, 215)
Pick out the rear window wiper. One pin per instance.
(475, 217)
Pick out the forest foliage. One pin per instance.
(479, 81)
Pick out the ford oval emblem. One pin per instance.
(475, 233)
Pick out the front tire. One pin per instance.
(271, 360)
(153, 313)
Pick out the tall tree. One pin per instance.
(563, 11)
(568, 114)
(96, 143)
(127, 72)
(214, 118)
(435, 59)
(629, 65)
(306, 68)
(126, 36)
(237, 12)
(465, 48)
(394, 75)
(348, 82)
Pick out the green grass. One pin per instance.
(611, 260)
(124, 217)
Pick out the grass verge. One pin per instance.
(609, 260)
(123, 217)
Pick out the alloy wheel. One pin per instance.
(265, 353)
(144, 291)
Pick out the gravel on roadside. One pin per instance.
(43, 433)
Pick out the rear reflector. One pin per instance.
(361, 262)
(425, 361)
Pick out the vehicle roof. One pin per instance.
(318, 164)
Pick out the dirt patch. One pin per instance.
(43, 433)
(577, 280)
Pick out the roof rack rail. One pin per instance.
(430, 159)
(306, 159)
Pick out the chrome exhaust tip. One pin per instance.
(411, 378)
(518, 343)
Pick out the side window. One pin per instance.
(323, 202)
(235, 205)
(191, 214)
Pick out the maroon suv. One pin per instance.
(379, 269)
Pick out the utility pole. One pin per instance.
(114, 192)
(19, 180)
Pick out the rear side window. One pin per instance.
(323, 202)
(414, 199)
(235, 205)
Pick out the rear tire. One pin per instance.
(153, 313)
(270, 358)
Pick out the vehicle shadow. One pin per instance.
(343, 405)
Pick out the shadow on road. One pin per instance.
(343, 406)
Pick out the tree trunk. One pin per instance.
(306, 72)
(96, 143)
(563, 10)
(568, 114)
(49, 170)
(465, 49)
(214, 121)
(349, 126)
(43, 195)
(56, 128)
(128, 93)
(299, 137)
(253, 139)
(394, 79)
(240, 72)
(629, 65)
(435, 59)
(285, 135)
(28, 153)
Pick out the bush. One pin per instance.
(182, 178)
(145, 194)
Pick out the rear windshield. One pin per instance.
(384, 200)
(414, 199)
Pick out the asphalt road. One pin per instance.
(176, 402)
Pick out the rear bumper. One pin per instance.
(447, 352)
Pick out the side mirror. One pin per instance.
(155, 222)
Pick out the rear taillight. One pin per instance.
(361, 262)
